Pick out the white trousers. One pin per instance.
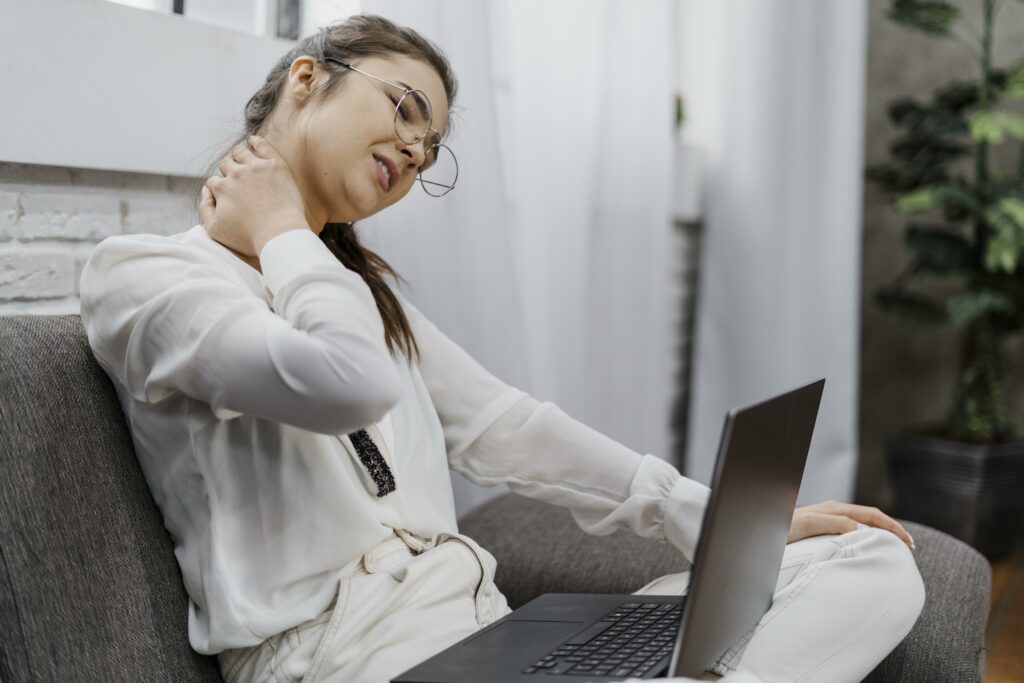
(842, 603)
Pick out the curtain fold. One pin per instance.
(457, 251)
(548, 263)
(775, 95)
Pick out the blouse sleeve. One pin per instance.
(496, 433)
(163, 317)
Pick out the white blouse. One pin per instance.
(239, 388)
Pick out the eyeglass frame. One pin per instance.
(434, 148)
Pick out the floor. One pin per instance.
(1005, 635)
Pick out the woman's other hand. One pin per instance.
(255, 200)
(832, 517)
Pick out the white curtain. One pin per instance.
(775, 96)
(549, 263)
(456, 251)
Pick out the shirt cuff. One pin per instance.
(297, 251)
(683, 501)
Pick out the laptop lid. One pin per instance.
(746, 524)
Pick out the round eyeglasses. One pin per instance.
(413, 118)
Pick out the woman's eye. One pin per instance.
(405, 110)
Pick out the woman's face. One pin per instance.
(343, 139)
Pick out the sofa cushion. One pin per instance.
(89, 586)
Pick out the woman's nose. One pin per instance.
(416, 151)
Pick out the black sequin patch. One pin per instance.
(373, 461)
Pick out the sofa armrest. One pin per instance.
(948, 641)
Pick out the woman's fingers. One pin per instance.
(252, 147)
(262, 147)
(824, 523)
(810, 522)
(207, 206)
(244, 151)
(227, 164)
(875, 517)
(241, 153)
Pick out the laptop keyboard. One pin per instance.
(628, 641)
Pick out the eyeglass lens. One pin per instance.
(412, 117)
(413, 123)
(438, 178)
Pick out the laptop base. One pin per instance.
(502, 651)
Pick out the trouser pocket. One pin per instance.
(295, 655)
(490, 603)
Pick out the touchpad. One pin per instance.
(525, 634)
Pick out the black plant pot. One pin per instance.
(972, 491)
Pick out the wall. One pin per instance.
(51, 218)
(907, 372)
(93, 84)
(112, 122)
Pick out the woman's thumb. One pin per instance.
(206, 206)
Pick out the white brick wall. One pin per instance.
(52, 218)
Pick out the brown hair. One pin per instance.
(358, 36)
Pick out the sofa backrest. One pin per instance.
(89, 586)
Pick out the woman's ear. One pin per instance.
(303, 78)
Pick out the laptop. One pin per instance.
(757, 475)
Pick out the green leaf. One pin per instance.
(905, 111)
(989, 126)
(952, 197)
(1003, 250)
(910, 305)
(957, 95)
(985, 127)
(938, 251)
(972, 304)
(1013, 89)
(1012, 93)
(1014, 208)
(923, 199)
(1012, 123)
(932, 17)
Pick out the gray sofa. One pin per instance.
(90, 590)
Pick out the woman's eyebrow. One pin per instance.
(420, 104)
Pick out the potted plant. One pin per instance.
(965, 236)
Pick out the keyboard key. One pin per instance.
(530, 670)
(624, 671)
(586, 635)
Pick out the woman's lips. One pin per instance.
(382, 177)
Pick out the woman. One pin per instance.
(296, 418)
